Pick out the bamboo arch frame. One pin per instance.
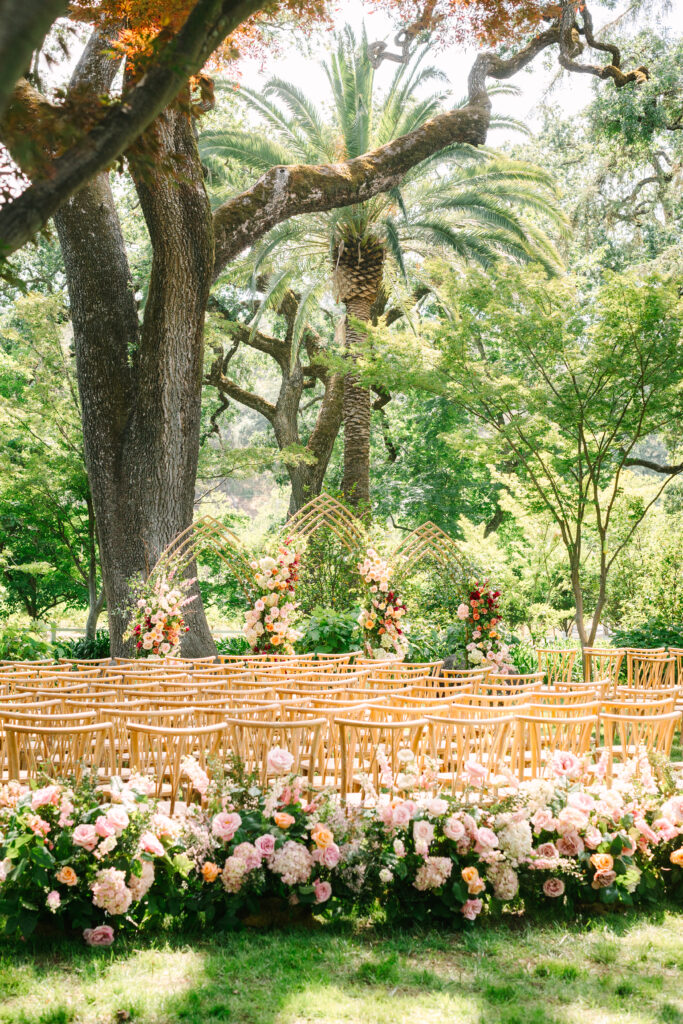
(207, 533)
(426, 541)
(325, 511)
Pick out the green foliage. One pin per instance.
(650, 634)
(19, 644)
(523, 655)
(86, 647)
(328, 631)
(431, 643)
(232, 645)
(328, 574)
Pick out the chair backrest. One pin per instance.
(556, 663)
(495, 684)
(677, 653)
(157, 752)
(651, 671)
(625, 735)
(640, 706)
(542, 731)
(61, 752)
(362, 742)
(454, 740)
(602, 663)
(252, 739)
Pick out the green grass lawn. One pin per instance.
(625, 969)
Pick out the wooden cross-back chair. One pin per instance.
(649, 672)
(157, 752)
(252, 739)
(507, 684)
(603, 663)
(360, 742)
(60, 752)
(455, 738)
(541, 731)
(624, 735)
(556, 663)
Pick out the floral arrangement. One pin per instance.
(268, 626)
(157, 624)
(482, 620)
(380, 619)
(98, 862)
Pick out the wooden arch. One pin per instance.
(321, 512)
(427, 541)
(207, 533)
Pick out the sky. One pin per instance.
(540, 84)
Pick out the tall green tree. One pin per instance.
(462, 202)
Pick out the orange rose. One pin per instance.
(475, 615)
(283, 820)
(67, 876)
(677, 857)
(270, 627)
(322, 836)
(210, 871)
(470, 877)
(602, 861)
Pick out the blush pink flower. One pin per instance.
(103, 935)
(471, 909)
(565, 764)
(401, 815)
(104, 828)
(593, 837)
(463, 611)
(453, 828)
(423, 831)
(330, 856)
(547, 850)
(553, 887)
(664, 829)
(117, 818)
(323, 891)
(543, 821)
(436, 807)
(571, 819)
(150, 844)
(48, 795)
(224, 825)
(486, 840)
(476, 773)
(265, 845)
(570, 844)
(279, 761)
(85, 836)
(582, 801)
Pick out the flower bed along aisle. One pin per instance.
(96, 864)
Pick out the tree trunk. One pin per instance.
(357, 418)
(141, 414)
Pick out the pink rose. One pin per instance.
(85, 836)
(593, 837)
(150, 844)
(629, 847)
(665, 829)
(476, 773)
(279, 761)
(386, 813)
(673, 810)
(401, 815)
(463, 611)
(453, 828)
(486, 840)
(103, 935)
(330, 856)
(471, 909)
(53, 901)
(553, 887)
(117, 818)
(582, 801)
(564, 763)
(323, 891)
(265, 845)
(571, 819)
(547, 850)
(570, 844)
(46, 795)
(224, 825)
(602, 879)
(104, 828)
(436, 807)
(543, 821)
(423, 832)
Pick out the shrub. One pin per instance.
(651, 634)
(85, 647)
(428, 643)
(232, 645)
(328, 631)
(23, 644)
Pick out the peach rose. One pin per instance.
(677, 857)
(602, 861)
(210, 871)
(283, 820)
(470, 877)
(67, 876)
(322, 836)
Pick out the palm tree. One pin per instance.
(464, 201)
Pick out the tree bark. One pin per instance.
(357, 415)
(23, 27)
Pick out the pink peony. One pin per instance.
(471, 909)
(103, 935)
(323, 891)
(46, 795)
(224, 825)
(150, 844)
(476, 773)
(553, 887)
(85, 836)
(279, 761)
(265, 845)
